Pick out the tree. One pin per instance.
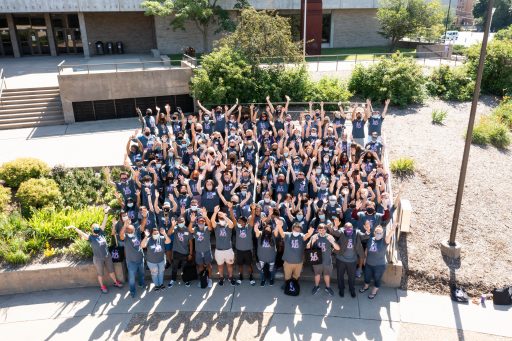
(502, 16)
(264, 37)
(205, 14)
(401, 18)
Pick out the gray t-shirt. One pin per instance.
(223, 238)
(181, 238)
(132, 249)
(350, 255)
(243, 240)
(376, 252)
(202, 239)
(266, 251)
(326, 247)
(155, 250)
(99, 245)
(293, 248)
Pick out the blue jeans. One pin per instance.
(135, 269)
(271, 269)
(157, 272)
(375, 272)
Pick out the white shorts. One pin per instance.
(224, 256)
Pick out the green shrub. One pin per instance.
(17, 257)
(398, 78)
(403, 166)
(48, 223)
(81, 186)
(497, 75)
(5, 198)
(438, 116)
(329, 89)
(489, 130)
(504, 34)
(80, 249)
(37, 193)
(451, 83)
(22, 169)
(503, 112)
(460, 50)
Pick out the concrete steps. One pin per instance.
(30, 107)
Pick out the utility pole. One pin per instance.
(447, 18)
(452, 247)
(304, 28)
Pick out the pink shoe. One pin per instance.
(118, 284)
(103, 289)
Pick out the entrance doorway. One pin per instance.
(67, 33)
(32, 35)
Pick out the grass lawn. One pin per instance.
(362, 53)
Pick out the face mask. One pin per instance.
(206, 118)
(130, 235)
(147, 183)
(321, 234)
(318, 171)
(375, 116)
(340, 173)
(96, 230)
(332, 202)
(349, 231)
(326, 159)
(295, 233)
(156, 236)
(166, 209)
(285, 154)
(130, 204)
(124, 218)
(193, 207)
(300, 217)
(308, 118)
(158, 166)
(240, 226)
(124, 181)
(181, 225)
(222, 222)
(243, 193)
(267, 200)
(378, 236)
(313, 135)
(370, 211)
(177, 164)
(321, 216)
(146, 133)
(201, 226)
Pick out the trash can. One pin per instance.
(99, 48)
(119, 47)
(110, 48)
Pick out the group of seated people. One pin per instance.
(260, 188)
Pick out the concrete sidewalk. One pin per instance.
(84, 144)
(246, 313)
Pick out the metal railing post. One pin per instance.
(355, 60)
(317, 63)
(337, 59)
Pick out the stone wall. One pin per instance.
(356, 28)
(134, 29)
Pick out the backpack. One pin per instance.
(459, 294)
(292, 287)
(203, 278)
(502, 296)
(313, 256)
(189, 272)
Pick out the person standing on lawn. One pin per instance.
(134, 255)
(376, 260)
(101, 256)
(155, 255)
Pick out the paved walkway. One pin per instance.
(84, 144)
(246, 313)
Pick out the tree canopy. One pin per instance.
(207, 15)
(402, 18)
(502, 16)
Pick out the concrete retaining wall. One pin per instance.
(78, 87)
(53, 276)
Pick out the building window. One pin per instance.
(326, 28)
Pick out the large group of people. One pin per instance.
(260, 189)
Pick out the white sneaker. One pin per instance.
(210, 283)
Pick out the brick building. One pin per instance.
(59, 27)
(464, 13)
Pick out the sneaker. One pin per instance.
(262, 283)
(132, 294)
(329, 291)
(359, 272)
(118, 284)
(187, 284)
(156, 288)
(221, 281)
(252, 282)
(315, 290)
(162, 287)
(210, 283)
(238, 282)
(342, 293)
(233, 282)
(167, 265)
(104, 289)
(143, 286)
(271, 282)
(353, 293)
(171, 283)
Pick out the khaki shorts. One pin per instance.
(321, 269)
(292, 270)
(224, 256)
(101, 263)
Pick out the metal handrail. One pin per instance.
(2, 84)
(59, 66)
(117, 66)
(392, 252)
